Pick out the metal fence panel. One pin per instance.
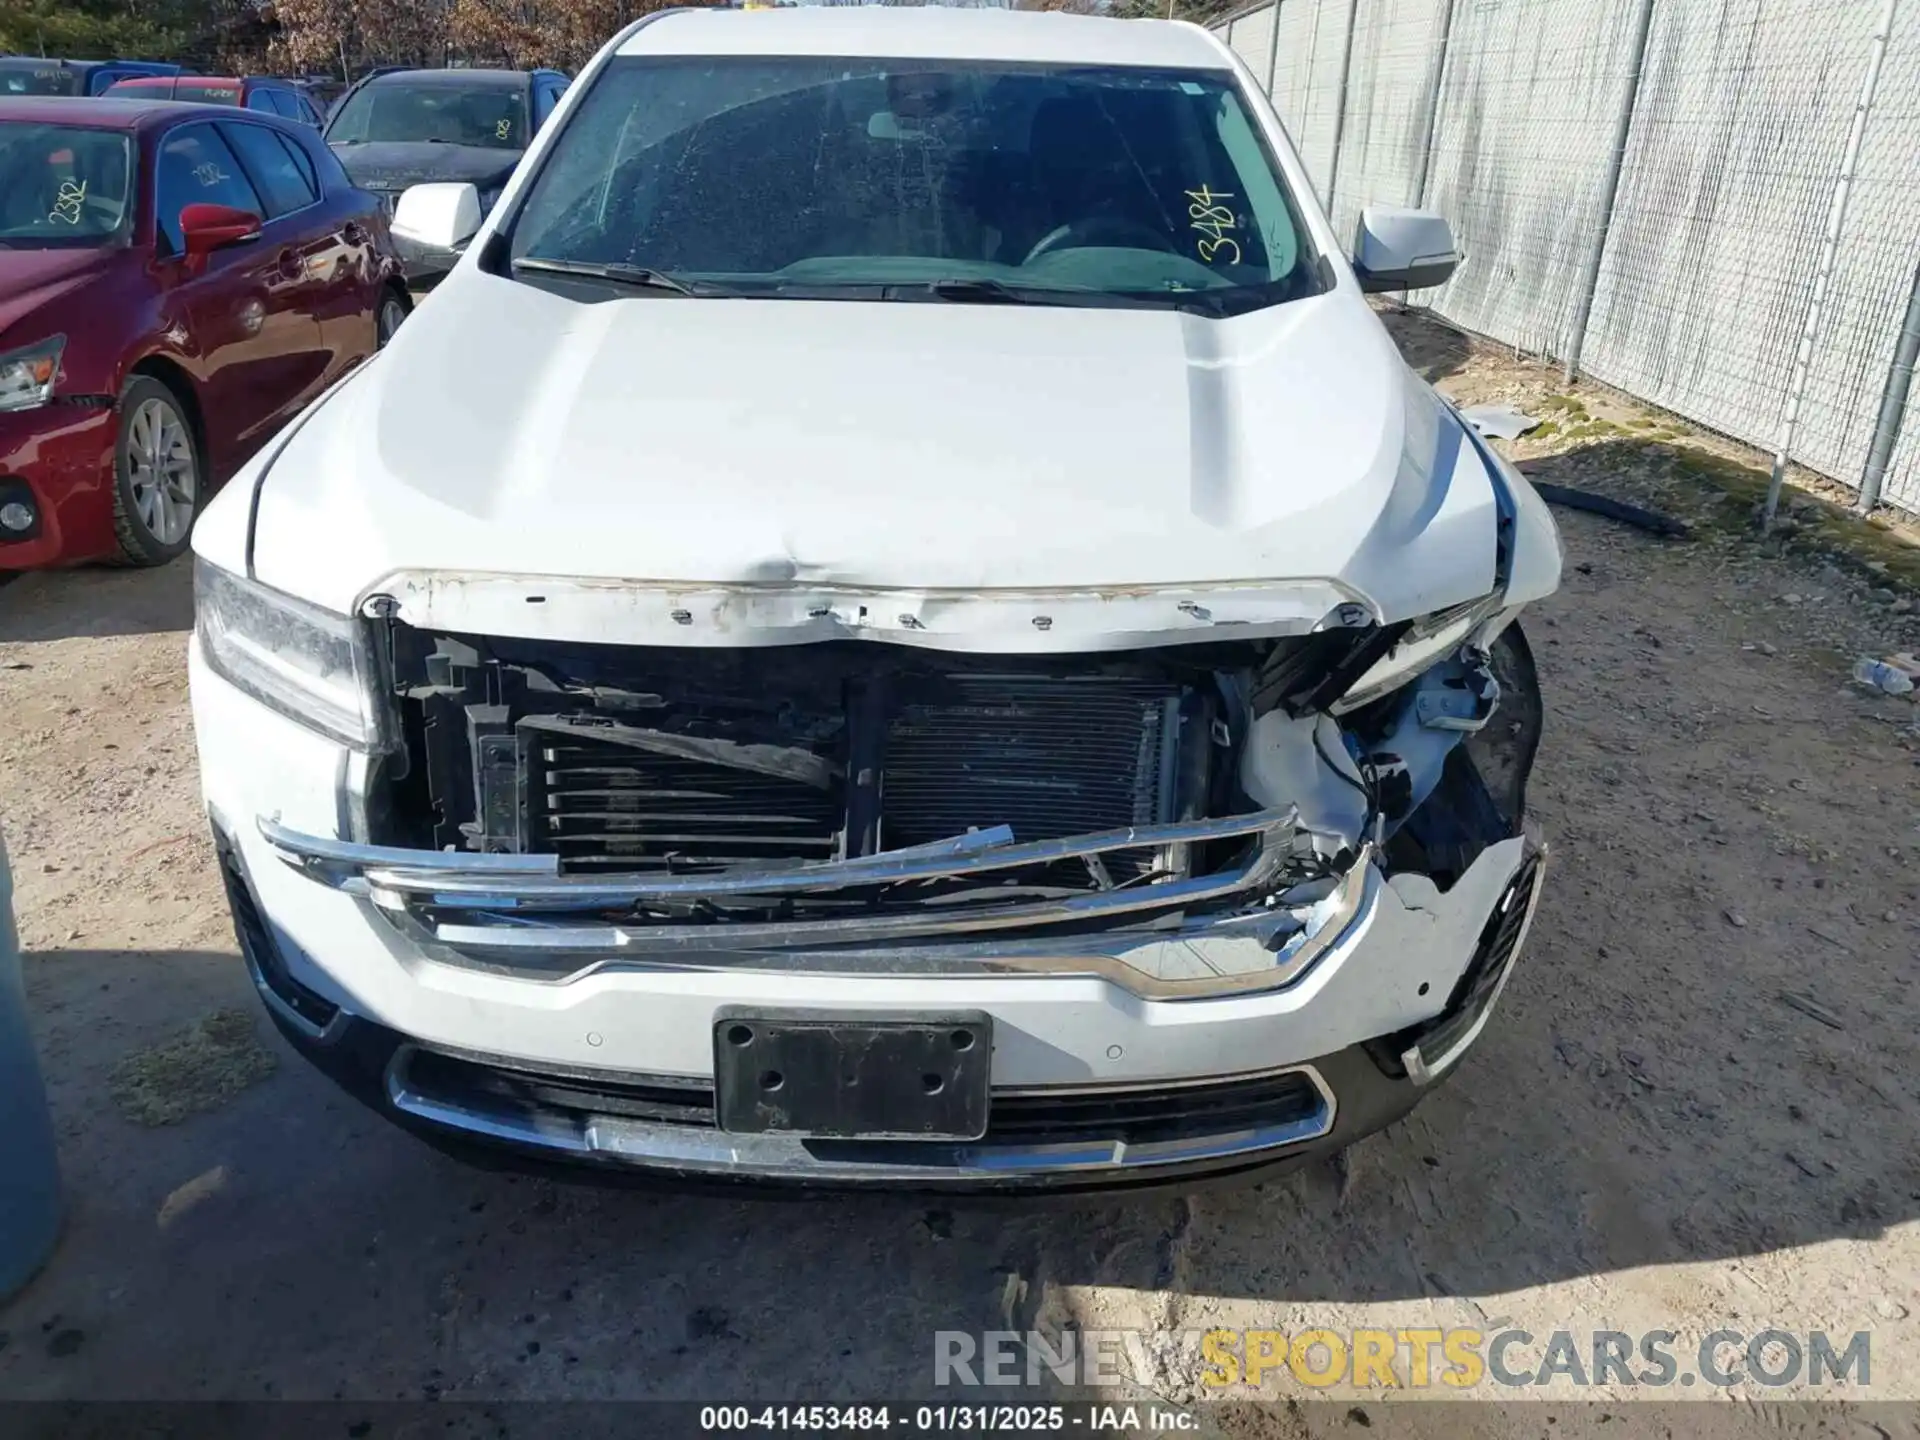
(1874, 277)
(1391, 87)
(1709, 252)
(1306, 82)
(1251, 37)
(1526, 115)
(1716, 237)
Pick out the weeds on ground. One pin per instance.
(197, 1071)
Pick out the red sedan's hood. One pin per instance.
(31, 278)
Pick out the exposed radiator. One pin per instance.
(602, 805)
(1050, 757)
(704, 785)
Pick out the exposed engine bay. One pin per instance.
(1070, 791)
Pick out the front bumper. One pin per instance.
(607, 1062)
(62, 455)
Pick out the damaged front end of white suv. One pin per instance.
(779, 674)
(1309, 840)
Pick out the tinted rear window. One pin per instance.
(38, 77)
(492, 117)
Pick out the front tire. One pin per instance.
(391, 315)
(158, 474)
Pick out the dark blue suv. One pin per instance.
(26, 75)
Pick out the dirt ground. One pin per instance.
(1697, 1108)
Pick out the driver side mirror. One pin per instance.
(440, 216)
(1400, 249)
(205, 228)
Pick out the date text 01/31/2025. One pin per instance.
(1086, 1417)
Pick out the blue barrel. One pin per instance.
(29, 1175)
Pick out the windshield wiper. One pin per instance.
(638, 276)
(984, 290)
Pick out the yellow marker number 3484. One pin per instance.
(1213, 220)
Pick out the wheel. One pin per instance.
(391, 315)
(157, 473)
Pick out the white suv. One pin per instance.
(897, 620)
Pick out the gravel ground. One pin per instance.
(1697, 1107)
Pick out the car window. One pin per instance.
(61, 186)
(492, 116)
(542, 103)
(309, 115)
(775, 174)
(263, 100)
(38, 77)
(195, 167)
(303, 162)
(282, 182)
(205, 92)
(333, 175)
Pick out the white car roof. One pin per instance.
(930, 33)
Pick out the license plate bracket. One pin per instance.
(840, 1076)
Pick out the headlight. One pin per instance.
(26, 376)
(310, 665)
(1428, 640)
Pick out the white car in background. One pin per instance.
(898, 621)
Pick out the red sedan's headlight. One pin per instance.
(26, 376)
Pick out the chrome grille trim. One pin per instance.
(531, 882)
(706, 1151)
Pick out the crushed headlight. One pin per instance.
(27, 376)
(1430, 639)
(309, 664)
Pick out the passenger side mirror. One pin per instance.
(441, 216)
(1401, 249)
(205, 228)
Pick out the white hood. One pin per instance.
(939, 449)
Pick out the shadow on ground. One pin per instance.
(43, 605)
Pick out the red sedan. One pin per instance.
(176, 283)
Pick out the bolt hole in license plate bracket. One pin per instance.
(879, 1075)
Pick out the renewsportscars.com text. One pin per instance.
(1231, 1361)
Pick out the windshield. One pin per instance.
(40, 77)
(801, 175)
(62, 186)
(493, 117)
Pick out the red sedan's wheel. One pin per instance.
(156, 466)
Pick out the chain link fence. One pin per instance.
(1647, 190)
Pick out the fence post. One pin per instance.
(1340, 102)
(1313, 53)
(1616, 161)
(1273, 54)
(1893, 403)
(1829, 254)
(1430, 122)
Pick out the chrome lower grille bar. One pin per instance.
(532, 882)
(707, 1151)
